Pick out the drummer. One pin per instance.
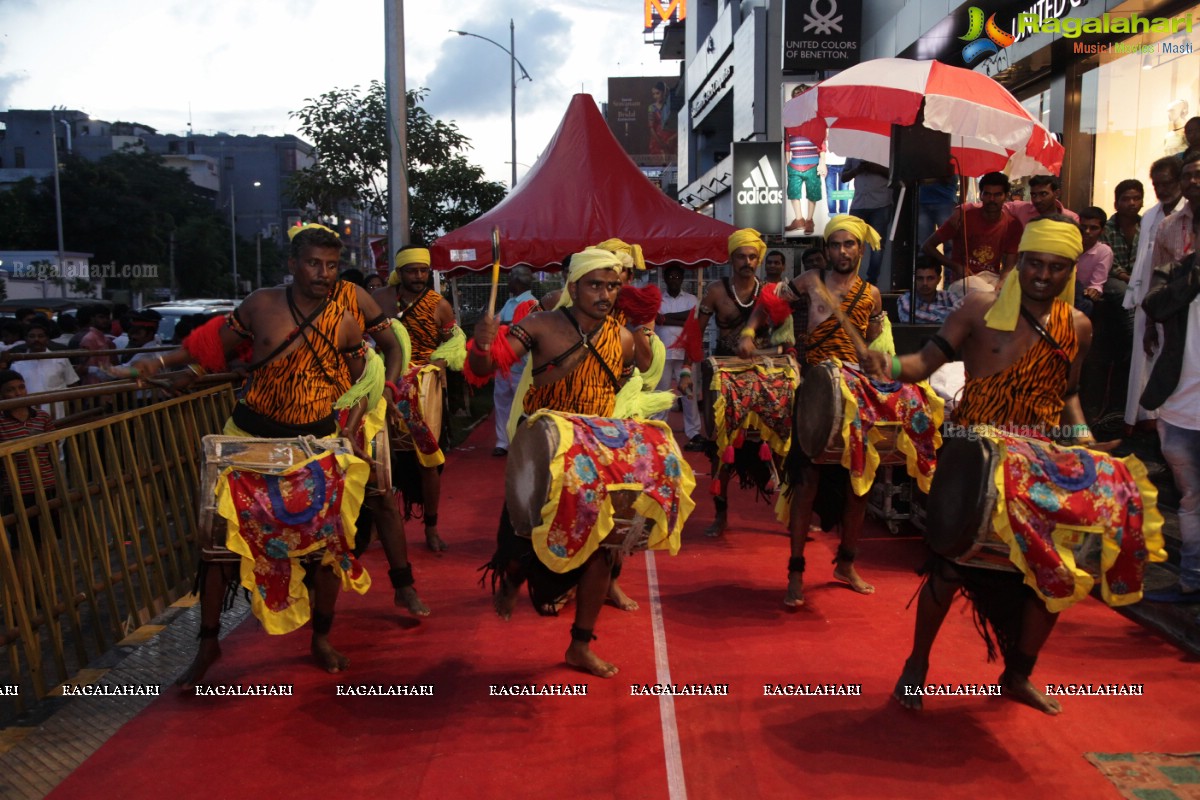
(429, 320)
(1022, 350)
(860, 302)
(731, 301)
(379, 505)
(292, 393)
(579, 355)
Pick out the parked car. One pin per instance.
(176, 310)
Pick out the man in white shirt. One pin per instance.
(1164, 177)
(44, 374)
(1174, 302)
(677, 306)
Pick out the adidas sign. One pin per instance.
(762, 187)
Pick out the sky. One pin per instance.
(240, 67)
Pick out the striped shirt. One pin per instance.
(12, 428)
(803, 154)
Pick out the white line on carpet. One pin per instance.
(676, 789)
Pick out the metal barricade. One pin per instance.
(107, 546)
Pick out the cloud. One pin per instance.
(470, 77)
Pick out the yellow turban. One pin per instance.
(590, 260)
(1040, 236)
(748, 237)
(856, 227)
(630, 254)
(297, 228)
(413, 255)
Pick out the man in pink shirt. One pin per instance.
(1043, 200)
(1091, 270)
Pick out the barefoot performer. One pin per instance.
(429, 320)
(1022, 351)
(379, 505)
(581, 357)
(827, 338)
(732, 301)
(636, 309)
(299, 345)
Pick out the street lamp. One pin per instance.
(233, 237)
(512, 64)
(258, 245)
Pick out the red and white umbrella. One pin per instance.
(989, 130)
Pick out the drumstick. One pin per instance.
(860, 344)
(495, 270)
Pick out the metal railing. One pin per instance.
(108, 543)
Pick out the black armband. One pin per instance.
(380, 323)
(522, 336)
(941, 344)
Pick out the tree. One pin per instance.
(123, 209)
(349, 131)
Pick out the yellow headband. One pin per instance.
(590, 260)
(747, 237)
(1040, 236)
(295, 229)
(631, 253)
(1050, 236)
(413, 255)
(856, 227)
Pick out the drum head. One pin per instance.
(961, 497)
(816, 409)
(527, 473)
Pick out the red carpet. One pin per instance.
(724, 623)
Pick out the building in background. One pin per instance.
(1115, 80)
(246, 176)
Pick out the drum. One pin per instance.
(958, 523)
(962, 500)
(820, 414)
(732, 366)
(381, 460)
(528, 483)
(274, 456)
(431, 396)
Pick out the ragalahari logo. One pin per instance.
(978, 46)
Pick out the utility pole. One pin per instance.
(397, 99)
(57, 205)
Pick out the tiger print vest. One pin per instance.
(1030, 391)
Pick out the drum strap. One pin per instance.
(862, 287)
(585, 342)
(291, 337)
(1050, 340)
(401, 311)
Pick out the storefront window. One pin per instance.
(1135, 96)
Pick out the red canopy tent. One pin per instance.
(583, 190)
